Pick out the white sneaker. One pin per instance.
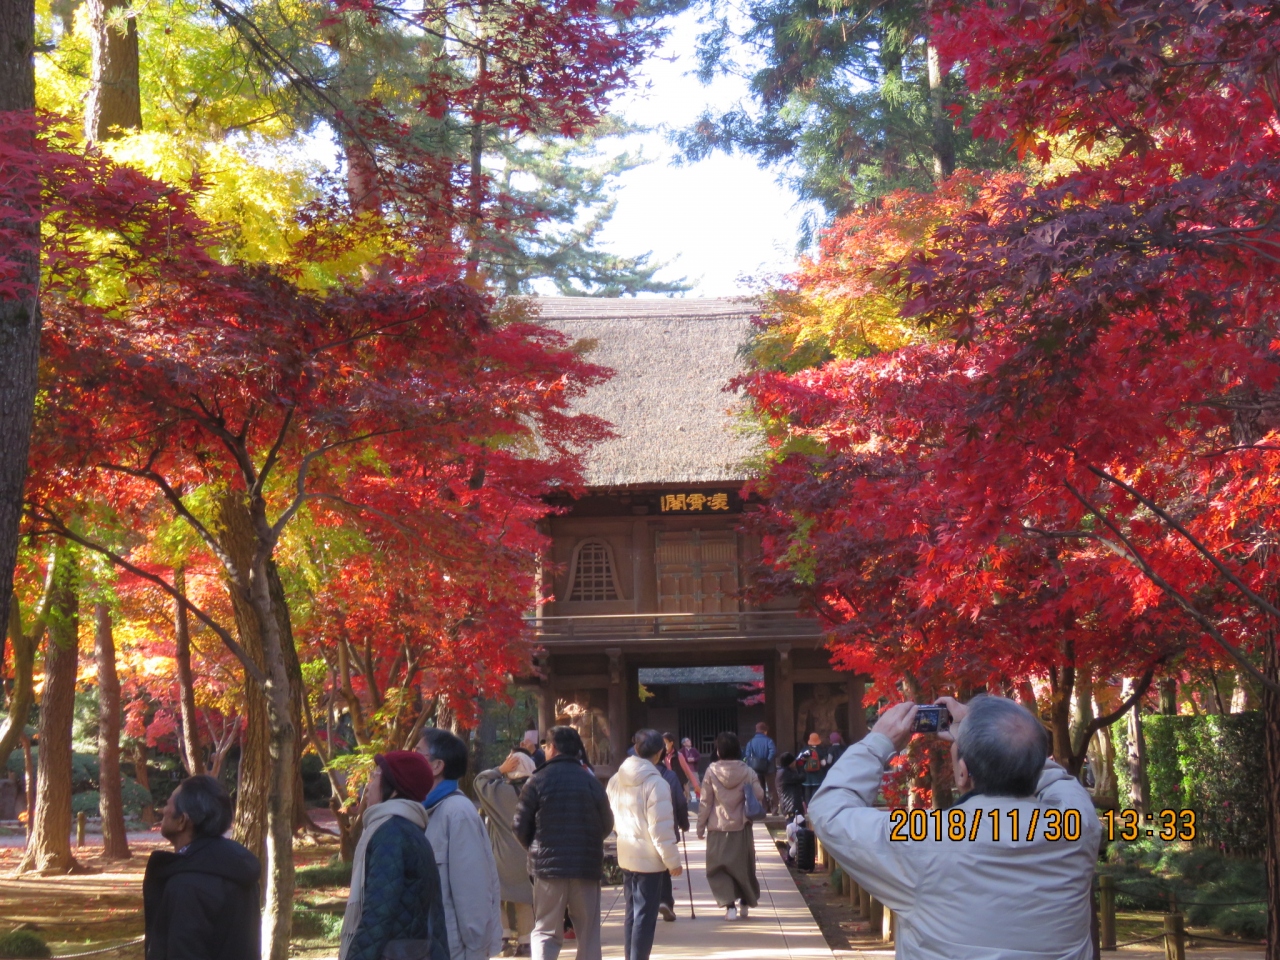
(731, 913)
(742, 912)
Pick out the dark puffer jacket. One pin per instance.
(563, 819)
(402, 899)
(202, 904)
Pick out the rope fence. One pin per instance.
(1174, 935)
(1234, 943)
(1173, 898)
(91, 953)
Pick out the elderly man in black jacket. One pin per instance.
(201, 901)
(563, 819)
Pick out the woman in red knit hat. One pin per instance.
(395, 911)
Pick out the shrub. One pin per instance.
(335, 873)
(316, 925)
(23, 943)
(1209, 764)
(133, 794)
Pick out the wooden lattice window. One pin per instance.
(594, 577)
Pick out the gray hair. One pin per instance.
(205, 802)
(648, 743)
(1003, 746)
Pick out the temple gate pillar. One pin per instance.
(857, 713)
(784, 701)
(619, 736)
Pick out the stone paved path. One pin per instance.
(781, 928)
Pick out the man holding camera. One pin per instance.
(1005, 873)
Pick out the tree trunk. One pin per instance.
(115, 102)
(115, 843)
(140, 774)
(1169, 696)
(1027, 697)
(1139, 791)
(49, 846)
(269, 755)
(475, 184)
(944, 146)
(20, 700)
(1271, 747)
(1243, 697)
(20, 305)
(29, 775)
(193, 754)
(1106, 788)
(1062, 682)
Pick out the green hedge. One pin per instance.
(134, 796)
(1210, 764)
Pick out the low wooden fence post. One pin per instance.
(80, 819)
(875, 915)
(1107, 912)
(1175, 939)
(888, 926)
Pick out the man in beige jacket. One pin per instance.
(643, 818)
(1004, 874)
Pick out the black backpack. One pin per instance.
(806, 850)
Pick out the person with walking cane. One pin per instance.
(680, 814)
(641, 801)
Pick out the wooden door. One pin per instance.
(697, 571)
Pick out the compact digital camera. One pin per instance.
(931, 718)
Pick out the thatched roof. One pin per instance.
(667, 403)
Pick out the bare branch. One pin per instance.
(55, 525)
(1259, 602)
(1130, 553)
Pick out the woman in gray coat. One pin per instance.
(499, 793)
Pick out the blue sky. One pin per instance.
(718, 221)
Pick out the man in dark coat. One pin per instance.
(562, 820)
(200, 902)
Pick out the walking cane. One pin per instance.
(688, 876)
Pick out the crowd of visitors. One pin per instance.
(436, 878)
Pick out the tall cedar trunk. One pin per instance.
(1169, 696)
(143, 777)
(193, 755)
(1271, 746)
(22, 696)
(115, 844)
(1061, 684)
(1106, 787)
(49, 846)
(115, 103)
(259, 616)
(1139, 790)
(1083, 709)
(943, 145)
(475, 186)
(1271, 750)
(20, 305)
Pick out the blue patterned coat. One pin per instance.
(402, 899)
